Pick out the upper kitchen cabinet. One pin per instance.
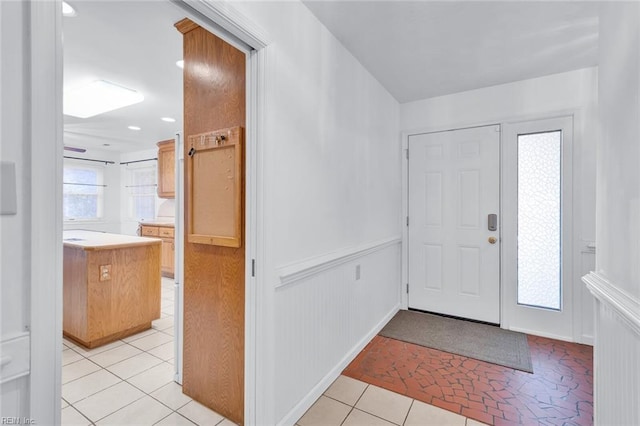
(166, 169)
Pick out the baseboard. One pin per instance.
(292, 417)
(587, 340)
(541, 334)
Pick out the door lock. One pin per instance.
(492, 222)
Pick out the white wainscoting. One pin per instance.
(14, 372)
(616, 353)
(14, 398)
(325, 317)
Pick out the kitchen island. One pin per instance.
(111, 286)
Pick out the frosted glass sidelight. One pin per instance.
(539, 219)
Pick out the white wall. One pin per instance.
(619, 148)
(332, 181)
(616, 281)
(15, 229)
(110, 221)
(574, 91)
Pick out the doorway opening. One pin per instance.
(139, 362)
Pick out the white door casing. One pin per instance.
(453, 185)
(551, 323)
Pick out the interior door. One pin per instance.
(454, 238)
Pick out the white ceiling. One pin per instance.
(416, 49)
(133, 44)
(422, 49)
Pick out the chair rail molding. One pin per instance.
(625, 305)
(314, 265)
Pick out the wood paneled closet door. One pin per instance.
(214, 280)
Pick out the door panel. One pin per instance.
(547, 319)
(453, 187)
(214, 276)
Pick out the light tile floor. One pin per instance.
(130, 381)
(350, 402)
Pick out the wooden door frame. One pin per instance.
(46, 124)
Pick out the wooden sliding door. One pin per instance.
(214, 274)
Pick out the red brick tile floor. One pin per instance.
(559, 392)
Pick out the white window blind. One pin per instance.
(83, 192)
(142, 187)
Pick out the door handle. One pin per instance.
(492, 222)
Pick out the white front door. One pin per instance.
(454, 251)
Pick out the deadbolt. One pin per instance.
(492, 240)
(492, 222)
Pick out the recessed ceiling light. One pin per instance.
(67, 10)
(98, 97)
(180, 63)
(168, 119)
(133, 128)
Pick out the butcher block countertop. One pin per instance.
(159, 223)
(91, 240)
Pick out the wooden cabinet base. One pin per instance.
(110, 292)
(108, 339)
(166, 233)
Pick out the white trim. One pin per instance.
(587, 339)
(512, 119)
(404, 251)
(178, 240)
(45, 108)
(625, 305)
(253, 194)
(315, 393)
(541, 334)
(260, 292)
(230, 19)
(314, 265)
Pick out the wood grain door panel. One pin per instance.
(214, 282)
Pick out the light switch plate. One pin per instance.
(8, 202)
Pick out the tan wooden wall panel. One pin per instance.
(213, 366)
